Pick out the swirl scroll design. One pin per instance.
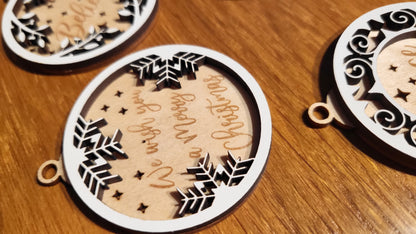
(389, 120)
(412, 135)
(358, 68)
(360, 43)
(401, 19)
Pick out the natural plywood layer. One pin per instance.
(165, 131)
(396, 68)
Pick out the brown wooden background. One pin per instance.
(316, 180)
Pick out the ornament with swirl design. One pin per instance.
(375, 92)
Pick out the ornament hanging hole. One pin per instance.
(50, 172)
(320, 114)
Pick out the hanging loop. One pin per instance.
(59, 172)
(321, 114)
(322, 109)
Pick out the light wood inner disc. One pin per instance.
(165, 131)
(396, 68)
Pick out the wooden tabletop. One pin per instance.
(316, 180)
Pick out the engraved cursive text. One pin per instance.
(183, 120)
(223, 108)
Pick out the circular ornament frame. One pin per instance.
(225, 204)
(73, 54)
(355, 61)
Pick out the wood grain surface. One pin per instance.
(317, 180)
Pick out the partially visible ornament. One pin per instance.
(375, 76)
(68, 34)
(166, 139)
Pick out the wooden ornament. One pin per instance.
(375, 77)
(167, 139)
(58, 34)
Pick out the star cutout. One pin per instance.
(119, 93)
(50, 6)
(139, 174)
(102, 13)
(402, 95)
(117, 195)
(393, 68)
(142, 207)
(123, 111)
(49, 21)
(64, 13)
(105, 108)
(411, 80)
